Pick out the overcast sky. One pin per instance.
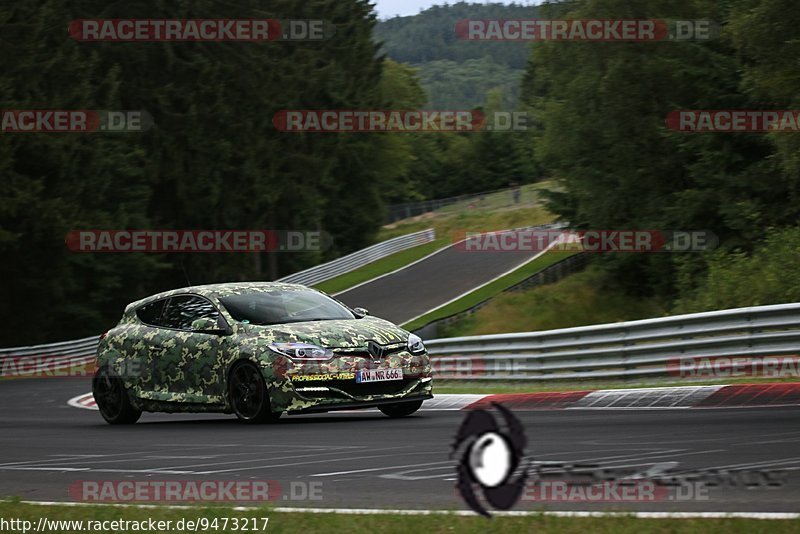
(389, 8)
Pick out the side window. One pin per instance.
(184, 309)
(151, 313)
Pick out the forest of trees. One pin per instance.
(213, 159)
(601, 110)
(458, 74)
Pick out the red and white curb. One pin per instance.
(725, 396)
(85, 401)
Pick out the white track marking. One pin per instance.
(181, 457)
(447, 402)
(434, 253)
(31, 468)
(655, 453)
(665, 455)
(171, 470)
(314, 455)
(755, 465)
(371, 469)
(92, 470)
(282, 446)
(640, 515)
(65, 460)
(476, 288)
(402, 475)
(374, 511)
(350, 459)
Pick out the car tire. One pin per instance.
(112, 399)
(400, 410)
(248, 395)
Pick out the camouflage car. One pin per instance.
(256, 350)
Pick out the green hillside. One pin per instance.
(455, 73)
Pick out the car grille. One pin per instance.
(364, 353)
(356, 390)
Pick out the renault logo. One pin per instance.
(375, 350)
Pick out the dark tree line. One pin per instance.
(430, 35)
(213, 159)
(457, 74)
(602, 107)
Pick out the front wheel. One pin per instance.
(400, 410)
(112, 399)
(248, 395)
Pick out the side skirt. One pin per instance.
(358, 405)
(179, 407)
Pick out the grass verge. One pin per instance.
(490, 290)
(496, 211)
(580, 299)
(380, 267)
(449, 223)
(367, 524)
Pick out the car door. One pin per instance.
(144, 349)
(185, 362)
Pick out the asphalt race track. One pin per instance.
(366, 460)
(415, 290)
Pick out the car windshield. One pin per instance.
(280, 307)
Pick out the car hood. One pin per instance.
(344, 333)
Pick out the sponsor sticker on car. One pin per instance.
(327, 376)
(379, 375)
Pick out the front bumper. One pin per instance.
(323, 386)
(359, 405)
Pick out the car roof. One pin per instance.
(221, 290)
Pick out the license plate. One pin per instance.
(379, 375)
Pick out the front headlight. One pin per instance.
(302, 351)
(415, 345)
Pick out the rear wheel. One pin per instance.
(249, 396)
(400, 410)
(112, 399)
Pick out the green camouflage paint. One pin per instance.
(181, 371)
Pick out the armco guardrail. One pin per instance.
(39, 360)
(345, 264)
(548, 275)
(630, 349)
(650, 347)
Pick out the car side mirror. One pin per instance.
(207, 325)
(360, 312)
